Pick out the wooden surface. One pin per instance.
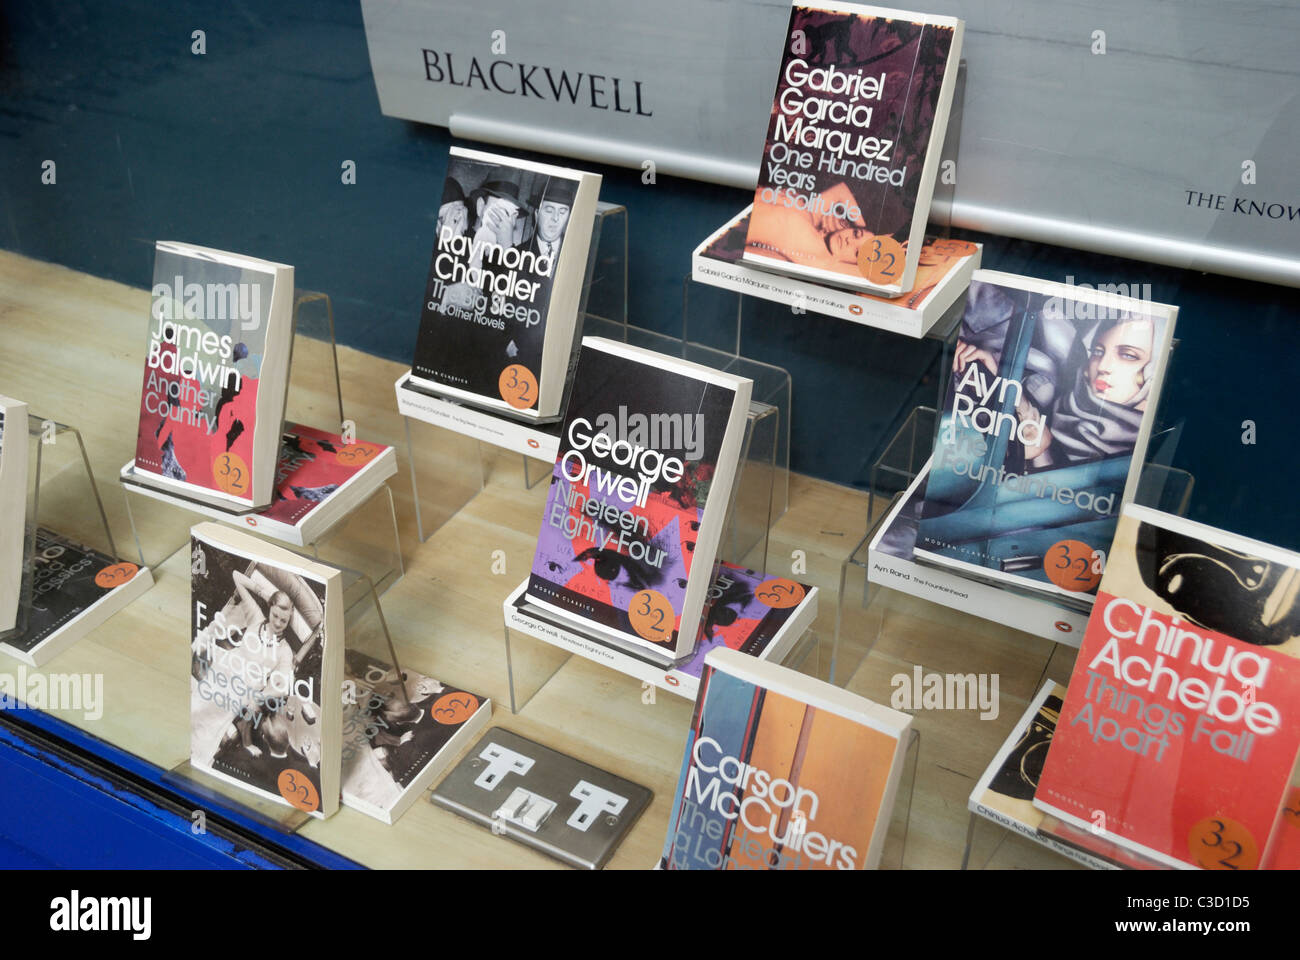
(74, 352)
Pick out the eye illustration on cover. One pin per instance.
(1019, 775)
(1248, 597)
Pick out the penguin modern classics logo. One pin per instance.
(75, 913)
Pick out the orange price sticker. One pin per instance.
(1072, 565)
(1217, 843)
(357, 454)
(652, 615)
(518, 386)
(298, 790)
(779, 593)
(231, 473)
(880, 260)
(115, 575)
(453, 708)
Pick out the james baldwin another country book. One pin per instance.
(266, 668)
(1182, 720)
(1051, 397)
(216, 371)
(639, 495)
(13, 506)
(853, 144)
(782, 772)
(501, 303)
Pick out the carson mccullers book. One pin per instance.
(1051, 397)
(782, 772)
(501, 302)
(266, 668)
(639, 495)
(852, 150)
(1180, 726)
(215, 375)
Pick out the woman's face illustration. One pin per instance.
(1118, 358)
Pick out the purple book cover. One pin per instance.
(746, 610)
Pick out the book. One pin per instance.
(319, 479)
(766, 628)
(639, 496)
(215, 376)
(853, 143)
(400, 732)
(13, 507)
(1043, 433)
(266, 669)
(892, 562)
(74, 588)
(943, 272)
(1179, 731)
(500, 313)
(783, 772)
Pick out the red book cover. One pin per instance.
(313, 465)
(1179, 731)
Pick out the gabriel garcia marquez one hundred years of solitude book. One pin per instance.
(639, 495)
(783, 772)
(501, 304)
(266, 668)
(1044, 431)
(853, 144)
(1181, 724)
(215, 375)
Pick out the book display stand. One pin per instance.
(365, 630)
(441, 458)
(365, 538)
(60, 484)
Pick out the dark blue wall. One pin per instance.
(241, 149)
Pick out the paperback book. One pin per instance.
(216, 371)
(1181, 726)
(400, 732)
(942, 274)
(853, 144)
(783, 772)
(266, 669)
(501, 302)
(13, 507)
(75, 588)
(639, 496)
(1044, 431)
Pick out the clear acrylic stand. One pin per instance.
(60, 485)
(314, 396)
(894, 855)
(366, 631)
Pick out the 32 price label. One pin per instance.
(298, 790)
(1072, 565)
(231, 474)
(779, 593)
(1217, 843)
(357, 454)
(518, 386)
(881, 259)
(115, 575)
(652, 615)
(453, 708)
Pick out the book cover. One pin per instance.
(638, 495)
(1180, 728)
(74, 588)
(852, 149)
(500, 302)
(943, 272)
(399, 732)
(266, 665)
(215, 371)
(13, 507)
(1043, 433)
(747, 611)
(782, 772)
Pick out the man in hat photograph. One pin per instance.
(553, 217)
(498, 212)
